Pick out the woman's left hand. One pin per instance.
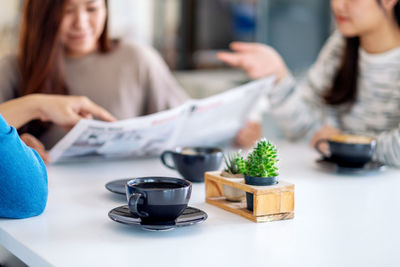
(248, 135)
(34, 143)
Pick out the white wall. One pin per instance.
(129, 19)
(8, 25)
(8, 11)
(132, 20)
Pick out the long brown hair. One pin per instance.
(344, 88)
(40, 50)
(40, 54)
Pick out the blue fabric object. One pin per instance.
(23, 176)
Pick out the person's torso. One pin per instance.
(117, 81)
(377, 107)
(113, 81)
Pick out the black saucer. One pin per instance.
(117, 186)
(189, 216)
(372, 166)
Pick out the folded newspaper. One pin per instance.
(206, 122)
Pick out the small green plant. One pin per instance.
(262, 161)
(235, 164)
(241, 165)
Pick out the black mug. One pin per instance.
(193, 162)
(158, 199)
(351, 151)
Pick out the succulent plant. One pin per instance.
(261, 162)
(235, 164)
(241, 165)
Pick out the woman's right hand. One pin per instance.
(66, 111)
(324, 132)
(59, 109)
(258, 60)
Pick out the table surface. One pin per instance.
(340, 220)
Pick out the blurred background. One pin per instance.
(188, 33)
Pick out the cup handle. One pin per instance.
(132, 204)
(163, 159)
(317, 145)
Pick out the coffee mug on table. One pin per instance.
(193, 162)
(158, 199)
(348, 150)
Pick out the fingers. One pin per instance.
(241, 52)
(67, 111)
(243, 141)
(244, 47)
(90, 109)
(45, 156)
(31, 141)
(247, 136)
(72, 118)
(254, 72)
(240, 60)
(239, 139)
(315, 139)
(232, 59)
(324, 133)
(86, 115)
(34, 143)
(324, 147)
(257, 60)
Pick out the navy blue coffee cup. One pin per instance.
(193, 162)
(158, 199)
(348, 150)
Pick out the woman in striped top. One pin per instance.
(353, 87)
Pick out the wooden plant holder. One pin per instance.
(271, 203)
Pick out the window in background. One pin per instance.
(188, 32)
(297, 29)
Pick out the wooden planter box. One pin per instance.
(271, 203)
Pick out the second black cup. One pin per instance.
(348, 150)
(193, 162)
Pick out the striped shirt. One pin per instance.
(300, 110)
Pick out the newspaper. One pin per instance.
(206, 122)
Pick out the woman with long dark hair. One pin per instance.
(353, 87)
(65, 49)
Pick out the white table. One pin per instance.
(340, 220)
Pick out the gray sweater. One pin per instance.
(300, 109)
(130, 81)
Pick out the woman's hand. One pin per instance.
(324, 133)
(66, 111)
(256, 59)
(34, 143)
(248, 135)
(59, 109)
